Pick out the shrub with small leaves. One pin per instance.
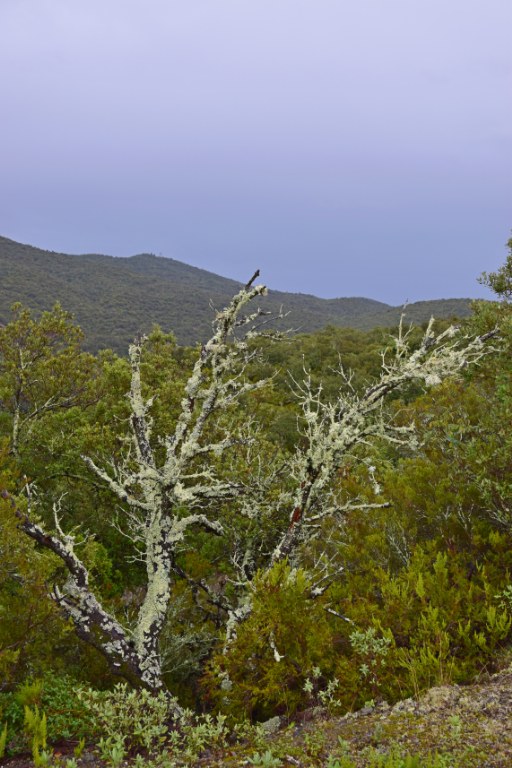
(323, 692)
(129, 719)
(370, 651)
(287, 634)
(265, 760)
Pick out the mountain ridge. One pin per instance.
(113, 298)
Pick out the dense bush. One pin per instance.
(55, 697)
(287, 635)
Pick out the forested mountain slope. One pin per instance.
(114, 298)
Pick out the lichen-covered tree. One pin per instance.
(169, 484)
(166, 487)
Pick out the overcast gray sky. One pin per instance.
(345, 147)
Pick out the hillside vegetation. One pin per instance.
(311, 543)
(115, 298)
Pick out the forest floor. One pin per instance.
(469, 726)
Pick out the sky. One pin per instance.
(343, 147)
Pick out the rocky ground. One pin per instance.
(466, 726)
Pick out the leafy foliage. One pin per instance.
(500, 282)
(42, 368)
(285, 637)
(30, 628)
(50, 706)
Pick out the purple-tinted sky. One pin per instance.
(345, 147)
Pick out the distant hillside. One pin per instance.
(114, 298)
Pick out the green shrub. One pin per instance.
(444, 620)
(130, 719)
(286, 636)
(36, 728)
(56, 697)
